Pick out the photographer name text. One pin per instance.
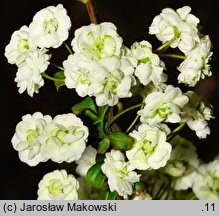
(70, 207)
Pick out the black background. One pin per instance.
(132, 18)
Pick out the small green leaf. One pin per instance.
(103, 146)
(107, 195)
(121, 141)
(58, 83)
(94, 175)
(86, 104)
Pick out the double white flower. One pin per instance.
(97, 68)
(179, 26)
(65, 138)
(29, 76)
(39, 138)
(97, 41)
(20, 44)
(163, 106)
(58, 185)
(150, 149)
(27, 138)
(195, 66)
(196, 114)
(112, 79)
(50, 26)
(120, 174)
(150, 67)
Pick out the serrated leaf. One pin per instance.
(58, 83)
(87, 103)
(94, 175)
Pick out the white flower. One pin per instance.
(58, 185)
(77, 69)
(29, 76)
(19, 46)
(65, 138)
(26, 139)
(111, 79)
(206, 182)
(97, 41)
(120, 174)
(150, 149)
(196, 65)
(163, 106)
(87, 160)
(182, 163)
(50, 26)
(196, 114)
(150, 67)
(179, 24)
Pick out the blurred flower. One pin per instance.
(206, 181)
(87, 160)
(182, 163)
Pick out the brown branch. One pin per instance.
(91, 13)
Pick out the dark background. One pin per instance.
(132, 18)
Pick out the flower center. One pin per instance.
(60, 134)
(148, 148)
(51, 25)
(111, 84)
(31, 135)
(55, 187)
(23, 45)
(163, 112)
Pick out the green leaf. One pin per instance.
(139, 186)
(58, 83)
(121, 141)
(86, 104)
(107, 195)
(103, 146)
(94, 175)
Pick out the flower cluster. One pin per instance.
(27, 48)
(147, 161)
(39, 138)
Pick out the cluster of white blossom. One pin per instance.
(180, 29)
(101, 66)
(27, 48)
(39, 138)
